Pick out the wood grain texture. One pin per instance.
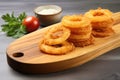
(24, 55)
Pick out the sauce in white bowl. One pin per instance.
(48, 11)
(48, 14)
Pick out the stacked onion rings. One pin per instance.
(101, 20)
(55, 40)
(77, 31)
(80, 28)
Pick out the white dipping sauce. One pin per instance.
(48, 11)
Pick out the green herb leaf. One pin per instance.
(13, 25)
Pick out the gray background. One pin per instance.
(105, 67)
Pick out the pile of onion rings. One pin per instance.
(77, 31)
(55, 41)
(81, 29)
(101, 19)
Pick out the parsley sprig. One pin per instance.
(13, 26)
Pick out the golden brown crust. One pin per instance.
(56, 35)
(75, 21)
(82, 43)
(80, 36)
(102, 24)
(58, 49)
(99, 15)
(83, 30)
(105, 33)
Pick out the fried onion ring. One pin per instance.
(83, 30)
(58, 49)
(105, 33)
(102, 24)
(75, 21)
(82, 43)
(56, 35)
(82, 37)
(99, 15)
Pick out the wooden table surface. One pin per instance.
(105, 67)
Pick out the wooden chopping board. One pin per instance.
(24, 55)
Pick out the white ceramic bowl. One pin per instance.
(48, 14)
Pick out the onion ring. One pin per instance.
(83, 30)
(99, 15)
(102, 24)
(80, 37)
(75, 21)
(82, 43)
(58, 49)
(105, 33)
(56, 35)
